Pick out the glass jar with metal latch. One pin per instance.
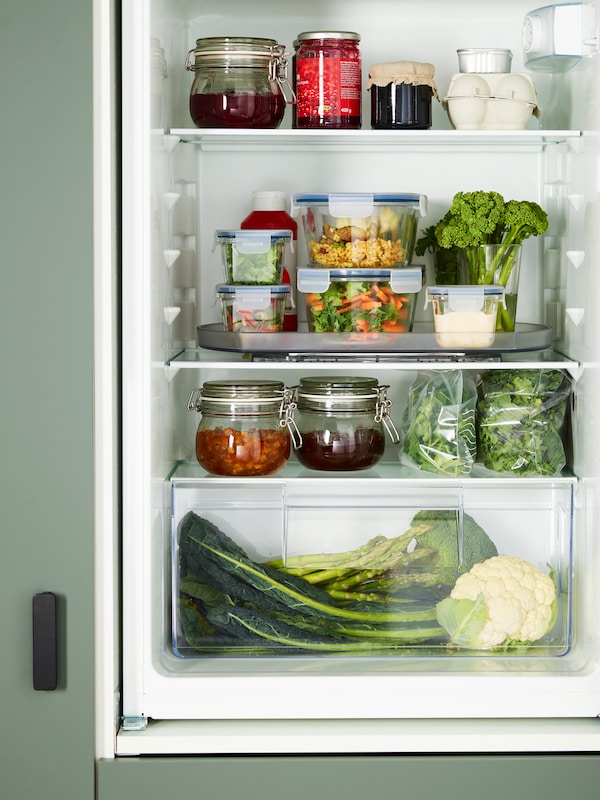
(245, 426)
(239, 82)
(342, 422)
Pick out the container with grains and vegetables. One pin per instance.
(359, 230)
(244, 429)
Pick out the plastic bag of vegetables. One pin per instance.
(520, 421)
(438, 426)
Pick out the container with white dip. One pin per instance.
(464, 317)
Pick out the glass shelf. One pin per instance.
(211, 138)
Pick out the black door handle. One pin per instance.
(44, 642)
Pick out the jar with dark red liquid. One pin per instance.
(342, 422)
(327, 80)
(239, 82)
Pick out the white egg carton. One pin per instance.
(491, 101)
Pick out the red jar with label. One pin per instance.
(328, 80)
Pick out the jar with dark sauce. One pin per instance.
(342, 423)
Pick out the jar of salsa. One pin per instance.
(239, 82)
(342, 422)
(327, 80)
(244, 428)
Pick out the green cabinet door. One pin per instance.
(46, 326)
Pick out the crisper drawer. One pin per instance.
(372, 568)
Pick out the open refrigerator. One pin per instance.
(180, 184)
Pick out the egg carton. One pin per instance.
(491, 101)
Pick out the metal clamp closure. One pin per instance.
(286, 413)
(382, 414)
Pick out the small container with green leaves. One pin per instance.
(253, 257)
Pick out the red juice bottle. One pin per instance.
(269, 214)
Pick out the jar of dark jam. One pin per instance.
(239, 82)
(327, 80)
(401, 95)
(244, 428)
(342, 422)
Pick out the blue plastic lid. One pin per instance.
(477, 289)
(358, 204)
(253, 234)
(227, 288)
(402, 279)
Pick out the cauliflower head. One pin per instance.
(503, 600)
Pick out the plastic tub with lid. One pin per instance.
(359, 230)
(253, 256)
(365, 301)
(253, 309)
(465, 316)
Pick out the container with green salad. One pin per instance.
(253, 257)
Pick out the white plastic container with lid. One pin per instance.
(465, 316)
(268, 212)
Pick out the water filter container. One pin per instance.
(268, 213)
(556, 37)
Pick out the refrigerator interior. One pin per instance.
(180, 184)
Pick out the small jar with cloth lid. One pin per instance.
(401, 95)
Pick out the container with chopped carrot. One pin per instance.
(359, 300)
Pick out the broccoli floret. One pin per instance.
(522, 219)
(443, 537)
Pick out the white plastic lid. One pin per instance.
(268, 201)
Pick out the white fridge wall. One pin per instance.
(213, 183)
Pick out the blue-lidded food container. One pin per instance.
(465, 316)
(253, 309)
(361, 300)
(253, 257)
(366, 231)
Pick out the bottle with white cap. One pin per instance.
(269, 214)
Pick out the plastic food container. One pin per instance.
(401, 95)
(465, 316)
(472, 59)
(253, 309)
(359, 230)
(491, 102)
(253, 257)
(243, 427)
(342, 422)
(364, 301)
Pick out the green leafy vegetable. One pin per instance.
(381, 595)
(520, 419)
(438, 428)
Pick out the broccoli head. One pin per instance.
(442, 535)
(473, 218)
